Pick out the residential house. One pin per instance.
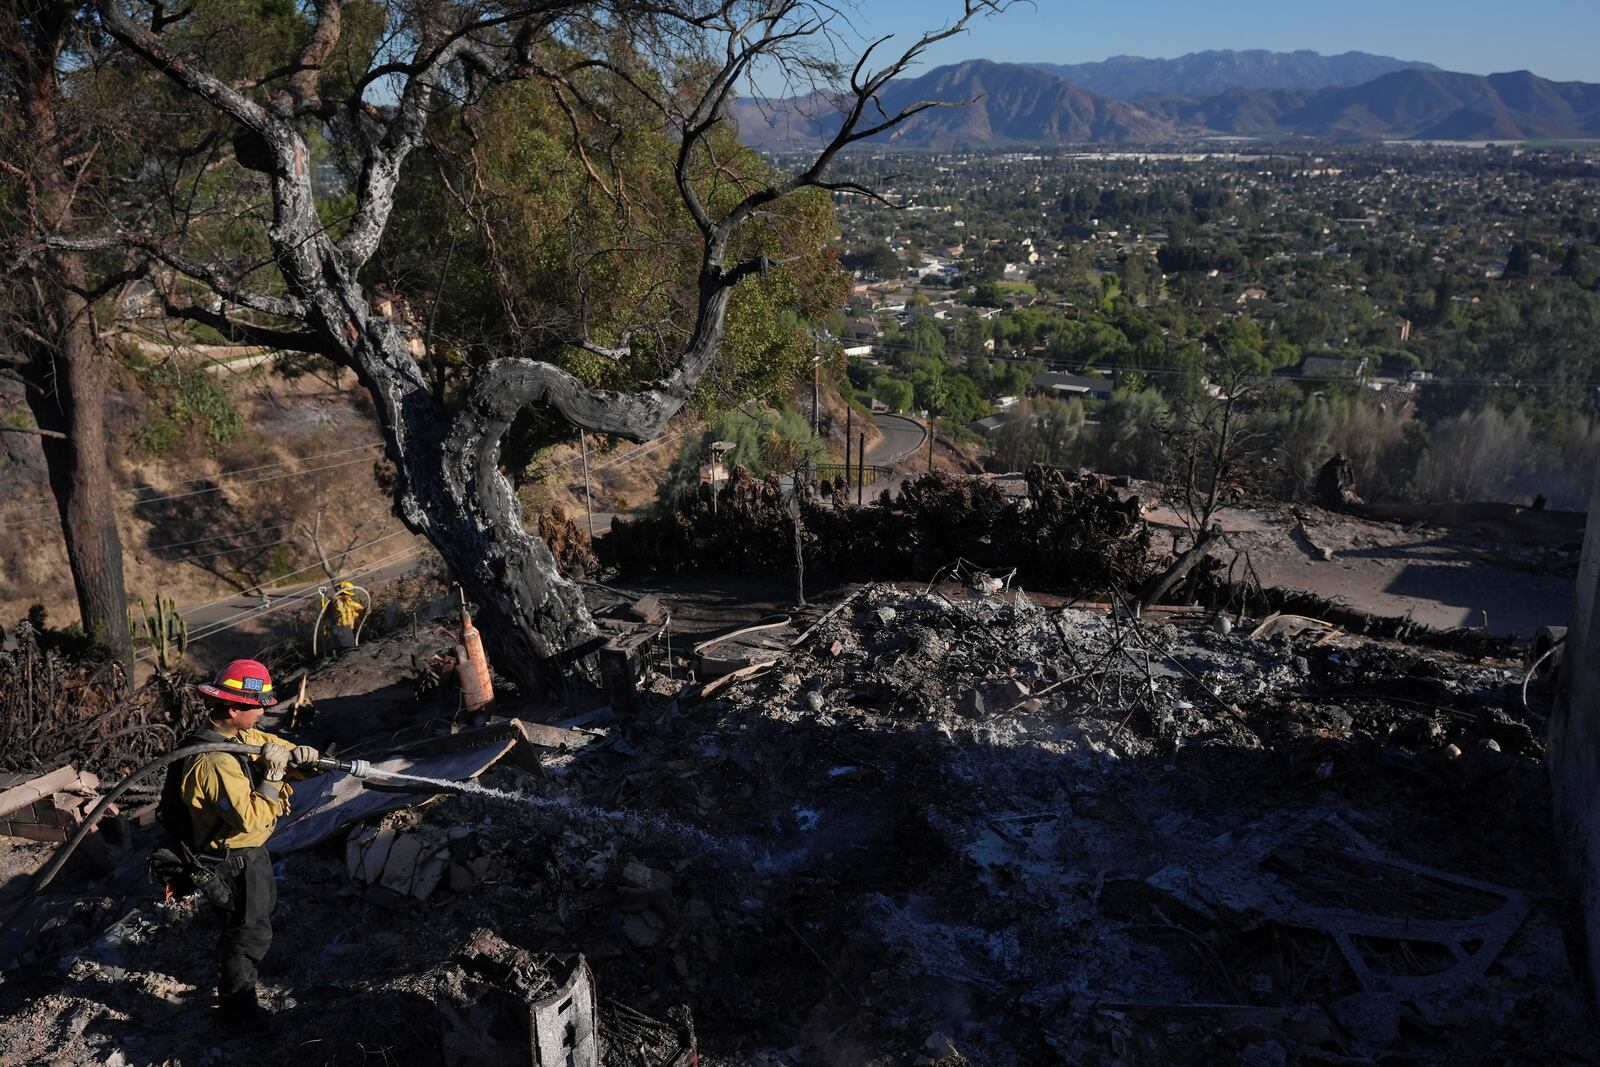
(1331, 368)
(1054, 383)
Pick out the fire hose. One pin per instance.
(356, 768)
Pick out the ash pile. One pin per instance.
(983, 828)
(930, 824)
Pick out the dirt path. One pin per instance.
(1435, 577)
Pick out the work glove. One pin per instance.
(274, 762)
(304, 755)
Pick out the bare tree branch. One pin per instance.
(214, 275)
(35, 431)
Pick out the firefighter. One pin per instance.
(346, 613)
(218, 809)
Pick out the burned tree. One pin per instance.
(449, 486)
(1215, 453)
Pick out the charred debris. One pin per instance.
(920, 822)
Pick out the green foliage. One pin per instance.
(894, 393)
(1130, 438)
(541, 253)
(183, 397)
(1040, 431)
(764, 443)
(987, 295)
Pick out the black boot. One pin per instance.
(242, 1015)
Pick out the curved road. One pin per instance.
(902, 437)
(218, 616)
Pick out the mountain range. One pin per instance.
(1130, 77)
(1017, 104)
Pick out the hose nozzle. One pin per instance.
(355, 768)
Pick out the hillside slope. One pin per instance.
(1203, 73)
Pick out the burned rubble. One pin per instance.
(928, 823)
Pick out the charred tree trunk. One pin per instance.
(1160, 584)
(799, 543)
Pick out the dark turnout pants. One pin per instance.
(246, 924)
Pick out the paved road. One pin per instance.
(902, 437)
(244, 609)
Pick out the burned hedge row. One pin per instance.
(1071, 532)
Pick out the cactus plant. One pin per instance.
(163, 631)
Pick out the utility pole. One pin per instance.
(847, 437)
(588, 504)
(816, 388)
(861, 466)
(930, 442)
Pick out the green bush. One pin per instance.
(182, 397)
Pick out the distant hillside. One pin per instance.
(1021, 105)
(1013, 104)
(1207, 73)
(1429, 105)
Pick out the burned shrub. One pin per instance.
(1072, 532)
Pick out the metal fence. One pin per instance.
(871, 474)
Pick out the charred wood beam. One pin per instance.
(1161, 584)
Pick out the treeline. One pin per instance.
(1283, 437)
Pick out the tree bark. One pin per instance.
(450, 488)
(66, 371)
(80, 479)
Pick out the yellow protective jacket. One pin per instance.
(223, 804)
(346, 610)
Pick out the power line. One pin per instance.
(291, 574)
(229, 551)
(288, 601)
(225, 485)
(215, 537)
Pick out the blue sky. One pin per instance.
(1557, 39)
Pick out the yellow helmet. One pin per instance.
(346, 587)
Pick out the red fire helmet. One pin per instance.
(244, 681)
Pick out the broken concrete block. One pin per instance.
(36, 789)
(509, 1006)
(885, 615)
(366, 852)
(645, 929)
(429, 874)
(646, 609)
(400, 869)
